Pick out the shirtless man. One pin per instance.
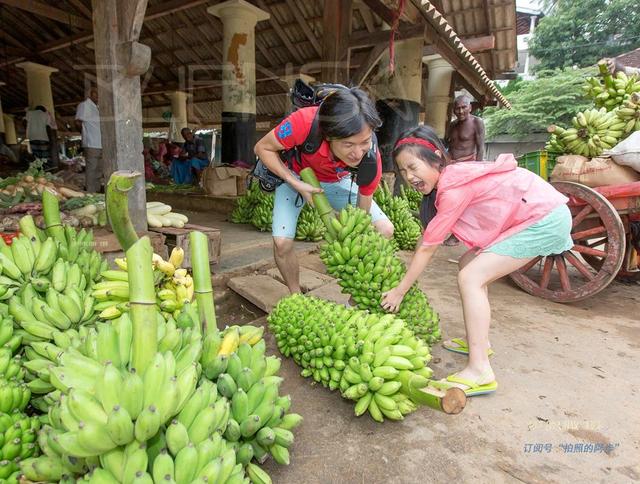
(466, 134)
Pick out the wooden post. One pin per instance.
(336, 25)
(120, 60)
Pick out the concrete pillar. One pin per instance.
(438, 94)
(179, 117)
(399, 96)
(239, 19)
(10, 137)
(39, 85)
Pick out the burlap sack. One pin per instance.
(596, 172)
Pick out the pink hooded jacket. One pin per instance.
(482, 203)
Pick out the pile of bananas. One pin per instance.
(610, 91)
(263, 212)
(173, 283)
(243, 211)
(18, 435)
(365, 264)
(310, 226)
(406, 229)
(412, 196)
(259, 424)
(374, 360)
(629, 112)
(14, 394)
(593, 131)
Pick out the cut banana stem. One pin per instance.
(117, 201)
(199, 244)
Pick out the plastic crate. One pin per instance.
(540, 162)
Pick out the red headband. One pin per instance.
(416, 141)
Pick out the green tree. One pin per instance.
(579, 33)
(554, 97)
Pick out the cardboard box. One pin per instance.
(225, 181)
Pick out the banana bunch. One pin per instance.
(18, 435)
(611, 91)
(310, 226)
(14, 394)
(161, 215)
(8, 339)
(374, 360)
(555, 143)
(406, 229)
(263, 212)
(174, 287)
(243, 211)
(412, 196)
(593, 132)
(629, 112)
(259, 424)
(365, 264)
(40, 315)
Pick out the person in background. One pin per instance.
(88, 123)
(466, 134)
(505, 215)
(38, 125)
(193, 150)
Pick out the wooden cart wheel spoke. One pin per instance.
(589, 233)
(562, 272)
(530, 264)
(594, 260)
(575, 262)
(598, 242)
(546, 272)
(581, 215)
(583, 249)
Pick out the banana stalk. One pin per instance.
(117, 201)
(142, 303)
(320, 200)
(51, 214)
(199, 244)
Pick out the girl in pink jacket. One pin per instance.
(505, 215)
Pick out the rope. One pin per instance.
(394, 28)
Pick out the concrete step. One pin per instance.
(309, 279)
(261, 290)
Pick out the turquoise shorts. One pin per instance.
(551, 235)
(286, 213)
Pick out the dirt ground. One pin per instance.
(566, 409)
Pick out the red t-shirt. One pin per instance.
(293, 131)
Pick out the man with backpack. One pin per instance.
(336, 139)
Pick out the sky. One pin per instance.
(527, 3)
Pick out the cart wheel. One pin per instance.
(595, 259)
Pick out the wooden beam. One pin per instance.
(133, 24)
(380, 9)
(336, 30)
(281, 33)
(306, 28)
(473, 45)
(48, 11)
(162, 9)
(367, 17)
(367, 66)
(367, 39)
(81, 7)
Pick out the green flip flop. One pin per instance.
(473, 388)
(461, 347)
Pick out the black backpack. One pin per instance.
(302, 96)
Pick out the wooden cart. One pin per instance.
(604, 245)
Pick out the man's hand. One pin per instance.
(392, 299)
(306, 190)
(614, 65)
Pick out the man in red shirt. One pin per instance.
(346, 120)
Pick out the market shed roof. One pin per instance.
(186, 45)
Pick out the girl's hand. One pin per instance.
(307, 191)
(392, 299)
